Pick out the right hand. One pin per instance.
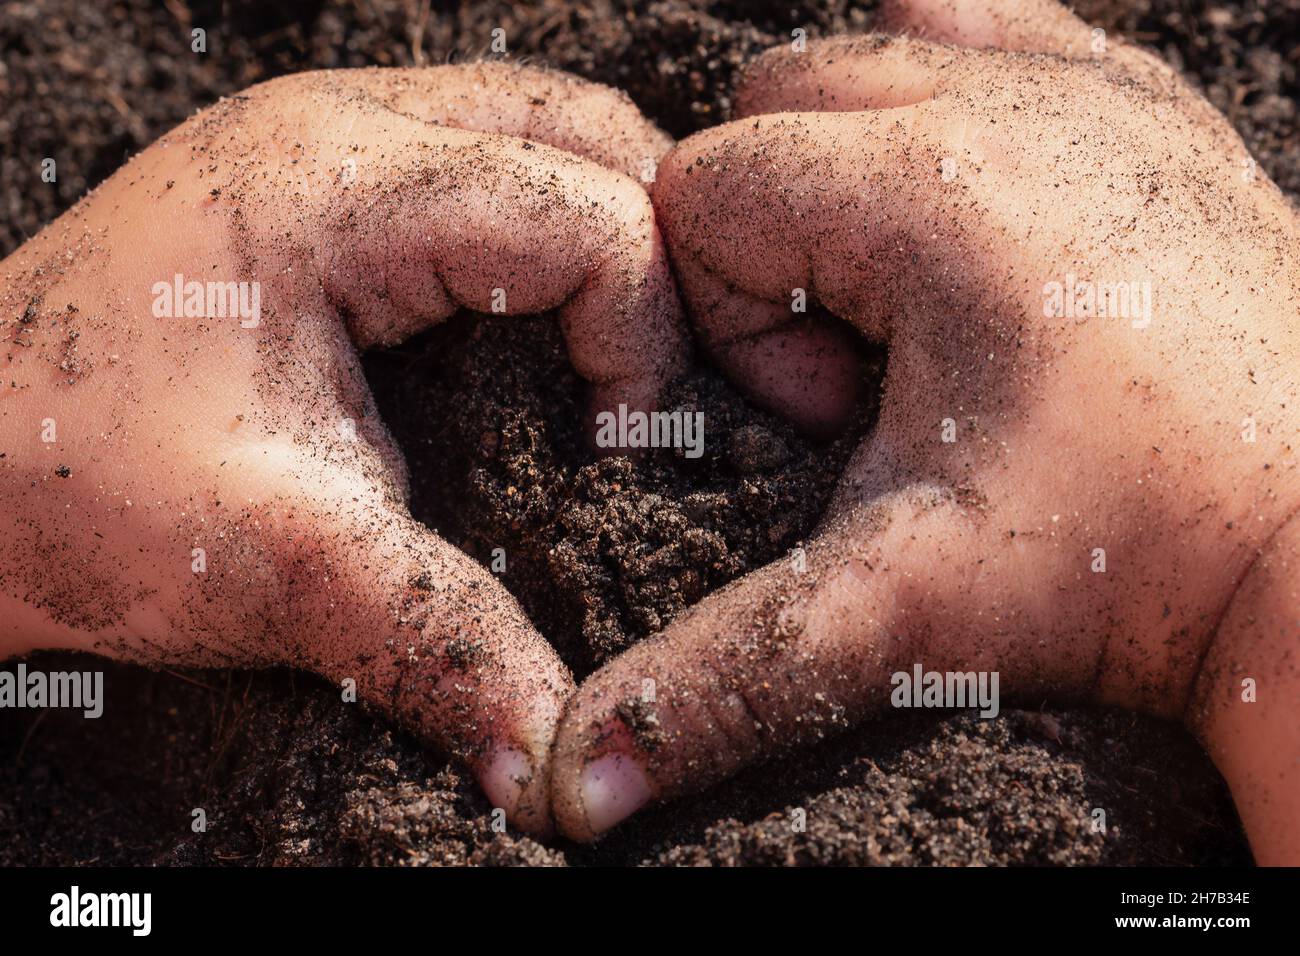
(928, 193)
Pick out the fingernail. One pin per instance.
(504, 776)
(613, 788)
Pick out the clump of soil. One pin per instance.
(600, 552)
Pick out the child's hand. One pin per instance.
(1071, 500)
(208, 482)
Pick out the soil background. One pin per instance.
(601, 554)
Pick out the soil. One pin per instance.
(600, 552)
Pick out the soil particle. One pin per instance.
(754, 448)
(639, 717)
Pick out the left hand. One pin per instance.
(183, 484)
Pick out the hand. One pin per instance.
(1095, 506)
(206, 487)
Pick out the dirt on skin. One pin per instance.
(600, 553)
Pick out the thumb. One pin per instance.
(433, 640)
(786, 656)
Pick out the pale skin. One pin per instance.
(231, 496)
(1169, 446)
(979, 553)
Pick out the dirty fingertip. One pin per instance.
(511, 782)
(613, 788)
(599, 794)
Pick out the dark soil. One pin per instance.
(601, 553)
(286, 775)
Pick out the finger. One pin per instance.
(786, 657)
(808, 371)
(847, 73)
(1030, 26)
(764, 212)
(1243, 705)
(435, 219)
(805, 368)
(1027, 26)
(361, 592)
(597, 122)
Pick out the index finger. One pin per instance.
(766, 217)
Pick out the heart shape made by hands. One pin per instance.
(1044, 504)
